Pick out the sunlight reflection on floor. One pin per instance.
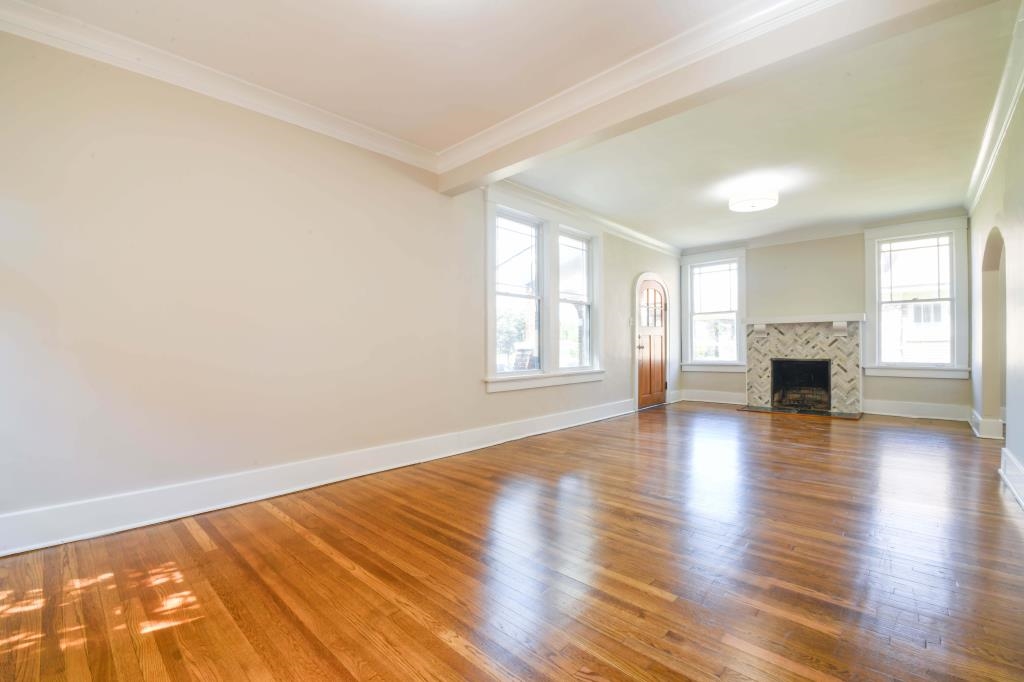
(161, 610)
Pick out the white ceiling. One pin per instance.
(430, 72)
(890, 129)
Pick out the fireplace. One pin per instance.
(802, 384)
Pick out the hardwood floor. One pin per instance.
(693, 541)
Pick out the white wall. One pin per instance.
(190, 289)
(1002, 206)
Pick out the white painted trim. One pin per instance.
(1010, 460)
(28, 529)
(633, 318)
(986, 427)
(687, 263)
(870, 340)
(726, 397)
(1008, 96)
(500, 384)
(510, 191)
(736, 26)
(728, 367)
(804, 319)
(918, 372)
(898, 408)
(65, 33)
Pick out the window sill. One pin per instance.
(735, 367)
(516, 382)
(912, 372)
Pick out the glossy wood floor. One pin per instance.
(693, 541)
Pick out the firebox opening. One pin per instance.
(802, 384)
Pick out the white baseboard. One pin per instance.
(892, 408)
(899, 408)
(1012, 472)
(986, 427)
(727, 397)
(28, 529)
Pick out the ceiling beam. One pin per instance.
(683, 74)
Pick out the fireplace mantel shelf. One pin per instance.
(803, 319)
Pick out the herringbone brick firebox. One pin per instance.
(806, 341)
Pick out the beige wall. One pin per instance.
(822, 276)
(189, 289)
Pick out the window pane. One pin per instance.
(715, 287)
(917, 332)
(573, 334)
(572, 268)
(916, 268)
(714, 337)
(515, 257)
(516, 324)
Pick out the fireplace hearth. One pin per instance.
(802, 384)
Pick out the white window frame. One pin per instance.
(959, 367)
(689, 262)
(552, 222)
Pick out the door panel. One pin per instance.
(650, 354)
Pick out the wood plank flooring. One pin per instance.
(687, 542)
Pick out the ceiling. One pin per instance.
(890, 129)
(430, 72)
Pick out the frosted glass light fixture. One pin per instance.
(748, 202)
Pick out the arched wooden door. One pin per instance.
(650, 347)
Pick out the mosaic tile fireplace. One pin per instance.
(835, 343)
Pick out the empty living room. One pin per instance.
(491, 340)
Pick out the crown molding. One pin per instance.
(734, 27)
(1008, 96)
(65, 33)
(610, 226)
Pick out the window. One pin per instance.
(713, 296)
(542, 286)
(573, 302)
(517, 300)
(917, 311)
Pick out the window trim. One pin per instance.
(551, 223)
(959, 366)
(689, 262)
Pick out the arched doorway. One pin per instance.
(992, 398)
(651, 315)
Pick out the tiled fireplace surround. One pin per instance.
(835, 341)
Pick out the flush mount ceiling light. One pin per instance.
(748, 202)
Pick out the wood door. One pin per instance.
(650, 344)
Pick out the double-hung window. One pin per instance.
(573, 301)
(713, 297)
(517, 292)
(542, 289)
(917, 307)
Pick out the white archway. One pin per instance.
(988, 420)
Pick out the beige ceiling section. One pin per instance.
(430, 73)
(473, 91)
